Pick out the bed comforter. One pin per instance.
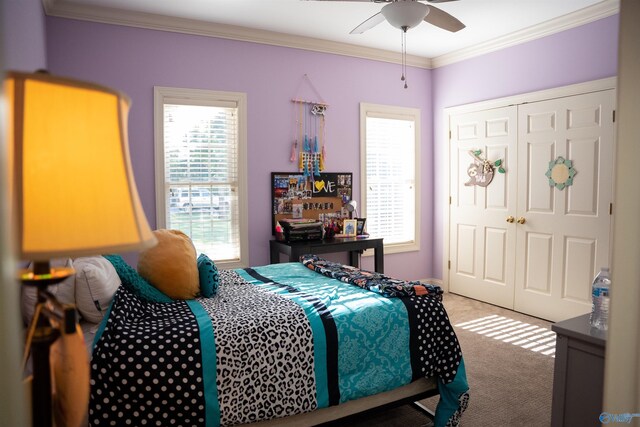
(275, 341)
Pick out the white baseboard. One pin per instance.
(438, 282)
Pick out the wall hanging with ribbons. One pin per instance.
(309, 143)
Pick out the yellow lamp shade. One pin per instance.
(73, 190)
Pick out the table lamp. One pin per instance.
(72, 193)
(352, 208)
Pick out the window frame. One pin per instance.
(172, 95)
(401, 113)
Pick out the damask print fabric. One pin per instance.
(275, 341)
(375, 282)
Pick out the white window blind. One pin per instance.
(390, 194)
(201, 180)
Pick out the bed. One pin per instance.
(282, 344)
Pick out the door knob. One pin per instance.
(521, 220)
(510, 219)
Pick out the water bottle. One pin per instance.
(600, 298)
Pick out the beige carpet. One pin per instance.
(509, 385)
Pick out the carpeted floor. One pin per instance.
(510, 385)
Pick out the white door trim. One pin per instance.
(559, 92)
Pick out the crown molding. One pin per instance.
(101, 14)
(571, 20)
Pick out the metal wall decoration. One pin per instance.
(481, 170)
(560, 173)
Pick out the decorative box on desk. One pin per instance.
(353, 245)
(579, 373)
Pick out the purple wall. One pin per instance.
(577, 55)
(135, 60)
(23, 35)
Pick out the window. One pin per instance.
(200, 143)
(390, 150)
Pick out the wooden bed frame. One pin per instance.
(410, 393)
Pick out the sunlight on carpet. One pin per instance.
(525, 335)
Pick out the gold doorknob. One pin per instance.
(510, 219)
(521, 220)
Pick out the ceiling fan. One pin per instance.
(406, 14)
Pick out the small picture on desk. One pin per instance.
(349, 227)
(360, 226)
(297, 210)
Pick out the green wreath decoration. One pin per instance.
(560, 173)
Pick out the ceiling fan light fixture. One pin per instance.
(405, 14)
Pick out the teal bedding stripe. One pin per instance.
(319, 338)
(103, 324)
(453, 397)
(208, 352)
(373, 344)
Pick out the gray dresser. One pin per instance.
(578, 374)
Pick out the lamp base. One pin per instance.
(42, 334)
(43, 338)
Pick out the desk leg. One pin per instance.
(378, 261)
(274, 253)
(354, 259)
(297, 252)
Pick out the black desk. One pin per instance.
(352, 245)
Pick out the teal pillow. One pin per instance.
(134, 282)
(209, 276)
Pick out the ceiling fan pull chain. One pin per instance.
(404, 56)
(402, 38)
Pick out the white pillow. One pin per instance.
(96, 282)
(63, 291)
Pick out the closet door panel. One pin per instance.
(579, 260)
(563, 239)
(538, 262)
(538, 196)
(481, 241)
(582, 196)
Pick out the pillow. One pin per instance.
(96, 282)
(136, 284)
(63, 291)
(171, 265)
(209, 277)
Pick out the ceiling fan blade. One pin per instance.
(368, 24)
(369, 1)
(442, 19)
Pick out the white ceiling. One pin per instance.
(486, 20)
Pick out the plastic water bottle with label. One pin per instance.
(600, 298)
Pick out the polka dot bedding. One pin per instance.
(259, 349)
(147, 370)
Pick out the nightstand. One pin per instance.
(578, 374)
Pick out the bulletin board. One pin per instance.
(321, 197)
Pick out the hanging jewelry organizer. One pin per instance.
(309, 134)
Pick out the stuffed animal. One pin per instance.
(171, 265)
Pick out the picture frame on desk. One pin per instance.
(360, 226)
(349, 227)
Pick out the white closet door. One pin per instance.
(565, 239)
(481, 241)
